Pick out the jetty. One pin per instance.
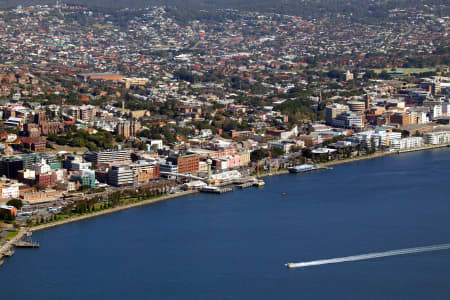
(216, 189)
(25, 244)
(8, 253)
(245, 185)
(7, 250)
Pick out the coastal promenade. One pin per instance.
(359, 158)
(10, 244)
(380, 154)
(111, 210)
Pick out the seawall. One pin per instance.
(111, 210)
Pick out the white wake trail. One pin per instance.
(368, 256)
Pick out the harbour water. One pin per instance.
(235, 245)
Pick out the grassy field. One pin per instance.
(407, 70)
(68, 148)
(11, 234)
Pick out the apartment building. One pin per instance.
(436, 138)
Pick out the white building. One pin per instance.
(107, 156)
(437, 138)
(406, 143)
(156, 143)
(10, 191)
(119, 176)
(41, 167)
(206, 132)
(378, 138)
(77, 166)
(436, 111)
(59, 174)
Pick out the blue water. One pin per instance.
(233, 246)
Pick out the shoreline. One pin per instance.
(360, 158)
(10, 244)
(192, 192)
(111, 210)
(382, 154)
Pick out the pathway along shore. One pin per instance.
(10, 244)
(381, 154)
(111, 210)
(359, 158)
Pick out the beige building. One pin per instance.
(128, 128)
(334, 110)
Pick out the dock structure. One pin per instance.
(7, 250)
(245, 185)
(24, 244)
(8, 253)
(216, 190)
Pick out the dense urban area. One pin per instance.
(101, 108)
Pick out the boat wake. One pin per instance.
(369, 256)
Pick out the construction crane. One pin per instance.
(8, 149)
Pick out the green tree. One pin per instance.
(258, 154)
(17, 203)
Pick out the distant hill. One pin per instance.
(305, 8)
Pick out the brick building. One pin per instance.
(186, 162)
(34, 144)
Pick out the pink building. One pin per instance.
(234, 161)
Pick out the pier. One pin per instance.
(216, 190)
(245, 185)
(25, 244)
(8, 253)
(7, 250)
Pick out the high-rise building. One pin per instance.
(84, 113)
(128, 128)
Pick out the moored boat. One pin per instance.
(302, 168)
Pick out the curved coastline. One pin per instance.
(191, 192)
(360, 158)
(111, 210)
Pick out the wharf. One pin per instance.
(7, 250)
(24, 244)
(8, 253)
(216, 190)
(245, 185)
